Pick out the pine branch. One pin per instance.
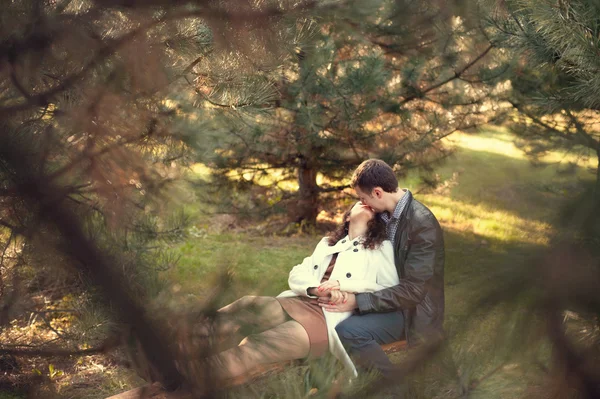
(43, 99)
(456, 75)
(9, 226)
(53, 311)
(88, 205)
(8, 242)
(54, 330)
(553, 130)
(591, 143)
(505, 68)
(113, 46)
(191, 66)
(91, 156)
(17, 83)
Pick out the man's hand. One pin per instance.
(329, 285)
(347, 304)
(337, 297)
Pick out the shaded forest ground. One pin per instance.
(495, 208)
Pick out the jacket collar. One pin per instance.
(409, 200)
(405, 217)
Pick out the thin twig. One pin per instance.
(108, 345)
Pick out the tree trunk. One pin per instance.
(307, 207)
(597, 187)
(305, 211)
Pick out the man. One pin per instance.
(413, 309)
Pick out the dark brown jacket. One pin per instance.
(419, 258)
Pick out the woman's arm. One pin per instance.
(303, 276)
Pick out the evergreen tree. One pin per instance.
(88, 154)
(389, 83)
(552, 49)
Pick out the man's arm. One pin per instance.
(419, 269)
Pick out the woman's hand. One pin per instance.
(338, 297)
(329, 285)
(347, 305)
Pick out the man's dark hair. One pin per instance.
(374, 173)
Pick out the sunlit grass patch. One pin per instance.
(499, 142)
(487, 222)
(502, 141)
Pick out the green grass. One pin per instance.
(495, 207)
(258, 265)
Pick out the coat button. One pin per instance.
(348, 275)
(355, 243)
(343, 241)
(355, 249)
(316, 267)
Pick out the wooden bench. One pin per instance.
(154, 391)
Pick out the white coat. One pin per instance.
(357, 269)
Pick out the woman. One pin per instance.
(354, 258)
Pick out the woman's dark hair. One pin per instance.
(376, 232)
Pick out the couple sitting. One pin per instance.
(375, 280)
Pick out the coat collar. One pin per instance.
(344, 244)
